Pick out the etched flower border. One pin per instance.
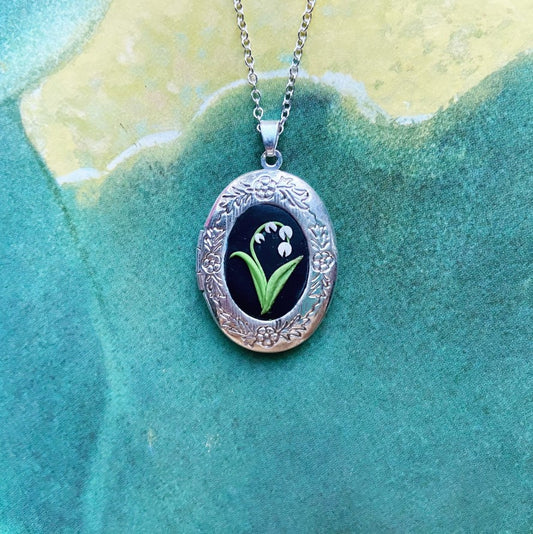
(294, 195)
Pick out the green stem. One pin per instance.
(252, 241)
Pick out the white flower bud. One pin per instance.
(259, 237)
(285, 232)
(271, 227)
(284, 249)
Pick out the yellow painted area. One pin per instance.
(150, 65)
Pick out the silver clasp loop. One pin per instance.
(271, 166)
(270, 131)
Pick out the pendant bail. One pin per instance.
(270, 131)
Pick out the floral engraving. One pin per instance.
(294, 196)
(267, 336)
(265, 187)
(237, 326)
(237, 196)
(214, 288)
(322, 261)
(211, 263)
(320, 240)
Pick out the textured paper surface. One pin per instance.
(147, 72)
(124, 408)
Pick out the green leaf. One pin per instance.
(258, 276)
(277, 281)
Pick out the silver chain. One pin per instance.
(293, 70)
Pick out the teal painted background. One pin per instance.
(37, 37)
(125, 410)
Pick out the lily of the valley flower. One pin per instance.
(284, 249)
(267, 289)
(285, 232)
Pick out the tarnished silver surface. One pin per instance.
(301, 201)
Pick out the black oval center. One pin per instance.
(267, 262)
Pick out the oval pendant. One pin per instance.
(267, 260)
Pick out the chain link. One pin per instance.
(293, 70)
